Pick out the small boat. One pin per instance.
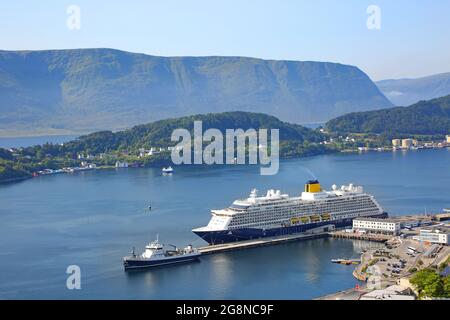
(346, 261)
(167, 170)
(155, 255)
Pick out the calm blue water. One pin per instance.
(16, 142)
(92, 219)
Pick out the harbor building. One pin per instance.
(407, 143)
(447, 138)
(377, 225)
(396, 143)
(435, 235)
(121, 164)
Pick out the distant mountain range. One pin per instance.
(430, 117)
(85, 90)
(404, 92)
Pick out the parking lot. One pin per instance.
(399, 258)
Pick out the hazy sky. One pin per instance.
(414, 39)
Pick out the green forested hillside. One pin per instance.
(425, 117)
(158, 133)
(11, 170)
(107, 147)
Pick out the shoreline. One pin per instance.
(160, 163)
(13, 180)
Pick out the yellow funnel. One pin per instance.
(313, 186)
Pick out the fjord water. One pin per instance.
(92, 219)
(17, 142)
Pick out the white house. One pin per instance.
(377, 225)
(121, 164)
(436, 235)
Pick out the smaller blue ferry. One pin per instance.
(155, 255)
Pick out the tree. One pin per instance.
(446, 282)
(428, 283)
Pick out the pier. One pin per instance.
(218, 248)
(360, 236)
(240, 245)
(322, 232)
(442, 216)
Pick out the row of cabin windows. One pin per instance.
(288, 214)
(275, 223)
(245, 220)
(314, 210)
(315, 207)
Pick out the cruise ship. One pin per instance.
(277, 214)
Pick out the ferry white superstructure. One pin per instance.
(155, 255)
(277, 214)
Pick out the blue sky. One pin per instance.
(413, 40)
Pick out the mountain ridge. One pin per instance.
(407, 91)
(88, 90)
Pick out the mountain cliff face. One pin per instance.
(93, 89)
(404, 92)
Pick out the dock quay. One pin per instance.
(360, 236)
(323, 232)
(442, 216)
(218, 248)
(349, 294)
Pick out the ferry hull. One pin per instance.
(133, 263)
(227, 236)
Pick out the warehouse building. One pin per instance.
(387, 226)
(435, 235)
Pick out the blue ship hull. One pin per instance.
(227, 236)
(134, 263)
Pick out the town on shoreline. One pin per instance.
(160, 156)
